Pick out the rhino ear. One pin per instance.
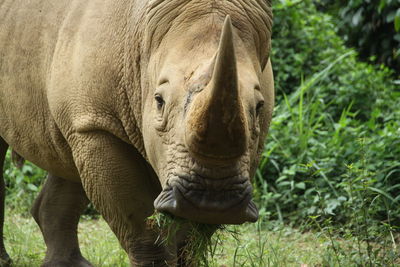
(266, 58)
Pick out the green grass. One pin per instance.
(260, 244)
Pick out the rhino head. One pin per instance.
(204, 119)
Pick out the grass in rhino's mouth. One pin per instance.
(198, 245)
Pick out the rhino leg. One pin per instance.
(4, 258)
(122, 186)
(57, 210)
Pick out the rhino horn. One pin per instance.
(216, 125)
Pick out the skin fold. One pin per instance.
(135, 106)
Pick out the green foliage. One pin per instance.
(22, 185)
(299, 47)
(319, 121)
(372, 26)
(374, 243)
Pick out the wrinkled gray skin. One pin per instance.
(135, 106)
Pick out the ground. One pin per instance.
(282, 246)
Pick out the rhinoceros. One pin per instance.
(135, 106)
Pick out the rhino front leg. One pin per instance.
(122, 186)
(57, 210)
(4, 258)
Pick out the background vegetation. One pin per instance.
(372, 26)
(336, 122)
(331, 163)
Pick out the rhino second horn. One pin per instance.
(216, 127)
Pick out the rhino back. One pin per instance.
(54, 77)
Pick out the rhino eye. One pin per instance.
(160, 101)
(259, 107)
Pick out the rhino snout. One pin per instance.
(211, 201)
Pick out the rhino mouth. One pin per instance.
(206, 200)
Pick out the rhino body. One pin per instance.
(135, 106)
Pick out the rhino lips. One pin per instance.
(206, 206)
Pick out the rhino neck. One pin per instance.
(131, 65)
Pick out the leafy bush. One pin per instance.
(372, 26)
(335, 115)
(299, 47)
(22, 185)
